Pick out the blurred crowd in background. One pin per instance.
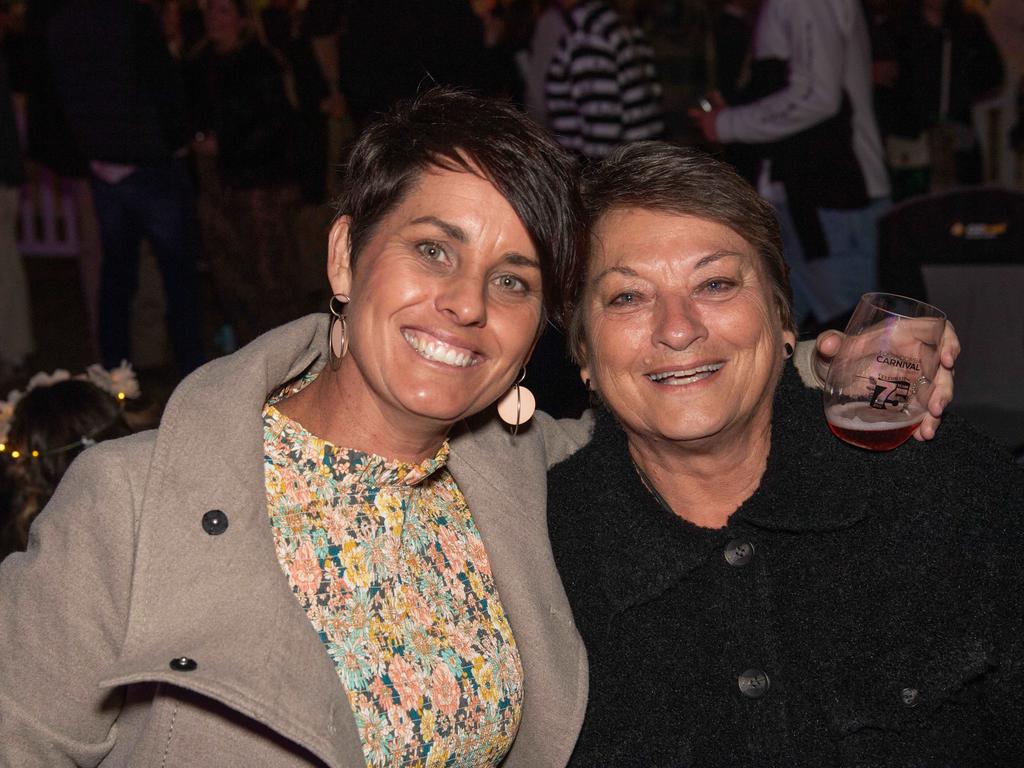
(257, 100)
(167, 166)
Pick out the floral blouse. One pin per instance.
(388, 564)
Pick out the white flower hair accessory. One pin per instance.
(121, 383)
(44, 379)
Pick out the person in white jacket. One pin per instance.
(826, 150)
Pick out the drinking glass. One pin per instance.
(878, 385)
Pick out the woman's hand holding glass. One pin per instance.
(880, 387)
(827, 346)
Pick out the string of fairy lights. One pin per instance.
(120, 383)
(83, 442)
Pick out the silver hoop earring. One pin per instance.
(518, 405)
(787, 351)
(337, 333)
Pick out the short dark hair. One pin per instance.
(659, 176)
(455, 130)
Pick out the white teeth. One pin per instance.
(439, 351)
(686, 376)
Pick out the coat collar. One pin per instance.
(513, 526)
(224, 601)
(813, 482)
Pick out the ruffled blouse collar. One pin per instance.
(348, 465)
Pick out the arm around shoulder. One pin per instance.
(563, 437)
(64, 609)
(804, 362)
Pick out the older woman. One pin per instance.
(750, 590)
(301, 566)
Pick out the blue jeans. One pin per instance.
(829, 286)
(155, 202)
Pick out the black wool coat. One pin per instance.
(860, 609)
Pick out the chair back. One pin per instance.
(963, 251)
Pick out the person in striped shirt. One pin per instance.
(602, 86)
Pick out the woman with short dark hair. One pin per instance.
(316, 560)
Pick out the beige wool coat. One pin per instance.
(121, 578)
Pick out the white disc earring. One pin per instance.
(518, 405)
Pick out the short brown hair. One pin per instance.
(456, 131)
(658, 176)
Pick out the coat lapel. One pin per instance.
(636, 549)
(508, 501)
(223, 600)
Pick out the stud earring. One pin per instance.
(337, 333)
(518, 404)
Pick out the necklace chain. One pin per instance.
(650, 486)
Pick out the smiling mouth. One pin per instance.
(439, 352)
(685, 376)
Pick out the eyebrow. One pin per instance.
(717, 256)
(627, 271)
(453, 231)
(711, 258)
(519, 260)
(458, 234)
